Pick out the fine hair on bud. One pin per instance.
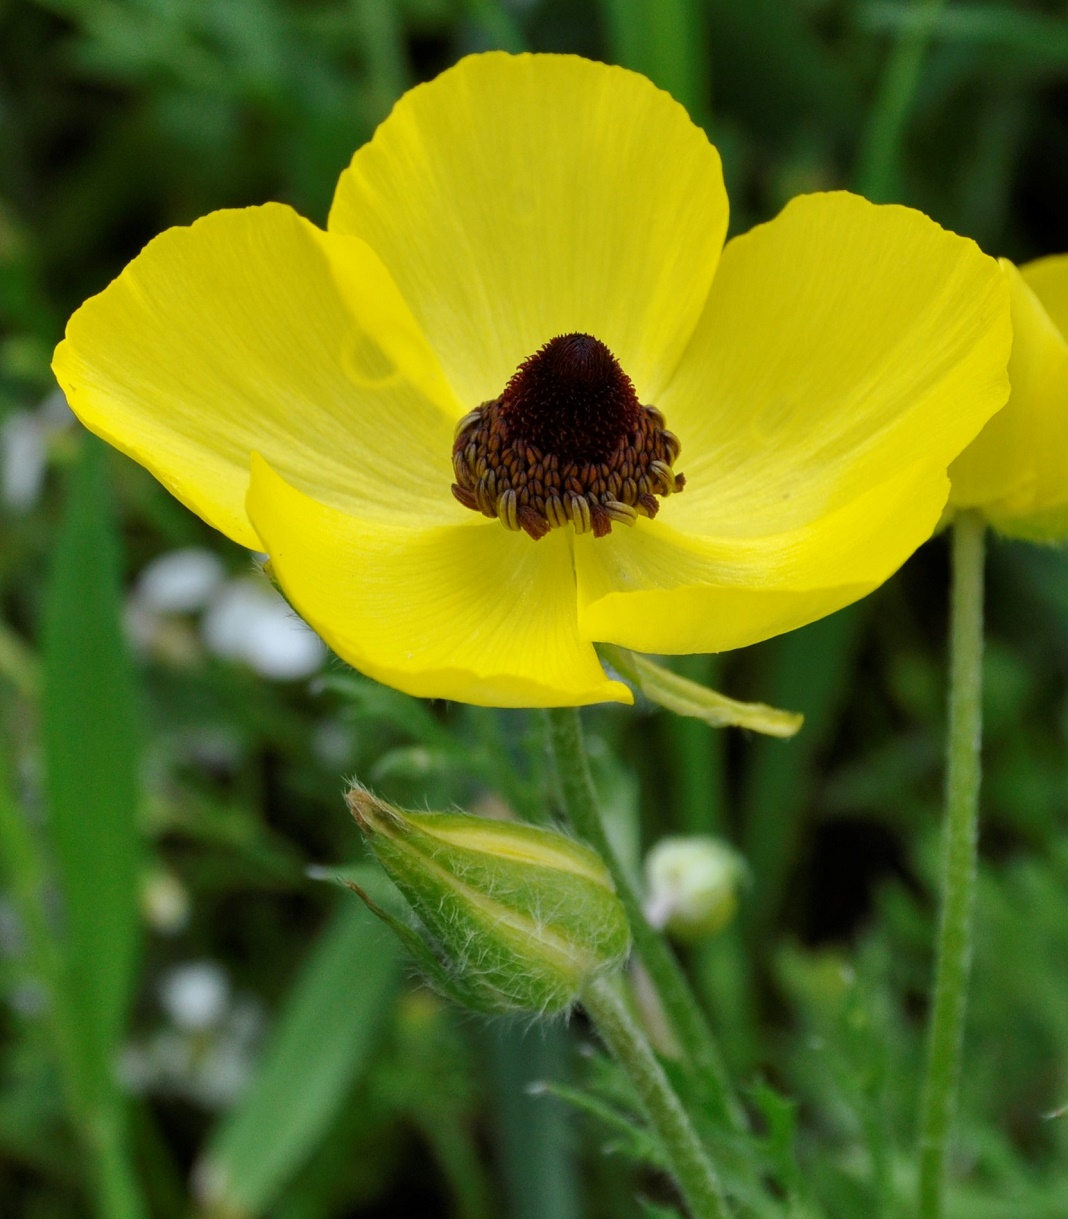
(511, 917)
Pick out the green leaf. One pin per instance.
(654, 1210)
(632, 1139)
(1042, 39)
(667, 41)
(368, 699)
(539, 1146)
(322, 1044)
(91, 762)
(676, 693)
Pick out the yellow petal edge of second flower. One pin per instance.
(1016, 470)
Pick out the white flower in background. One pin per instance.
(206, 1050)
(24, 440)
(195, 996)
(249, 621)
(180, 581)
(243, 619)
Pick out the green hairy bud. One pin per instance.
(514, 917)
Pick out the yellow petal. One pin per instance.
(1016, 470)
(655, 589)
(842, 342)
(515, 198)
(1048, 279)
(847, 354)
(468, 612)
(254, 330)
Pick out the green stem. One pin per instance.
(693, 1172)
(690, 1025)
(878, 175)
(958, 862)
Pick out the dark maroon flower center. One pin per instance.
(571, 398)
(567, 442)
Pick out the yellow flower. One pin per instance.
(301, 389)
(1016, 470)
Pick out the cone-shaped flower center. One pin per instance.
(572, 399)
(567, 442)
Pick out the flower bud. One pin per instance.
(516, 918)
(693, 885)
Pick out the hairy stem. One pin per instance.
(690, 1165)
(963, 765)
(688, 1020)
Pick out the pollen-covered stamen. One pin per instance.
(567, 442)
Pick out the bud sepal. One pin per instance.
(514, 917)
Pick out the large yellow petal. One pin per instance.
(469, 612)
(1016, 470)
(842, 342)
(847, 354)
(656, 589)
(254, 330)
(515, 198)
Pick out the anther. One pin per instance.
(623, 513)
(578, 508)
(508, 509)
(567, 442)
(664, 475)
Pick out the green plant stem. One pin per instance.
(958, 861)
(878, 174)
(687, 1019)
(692, 1169)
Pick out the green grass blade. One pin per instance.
(90, 744)
(322, 1043)
(1042, 40)
(664, 39)
(879, 174)
(91, 761)
(539, 1146)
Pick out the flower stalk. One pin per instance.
(963, 769)
(687, 1019)
(693, 1171)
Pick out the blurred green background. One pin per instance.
(171, 828)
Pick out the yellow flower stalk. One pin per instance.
(1015, 473)
(518, 398)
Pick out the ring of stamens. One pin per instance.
(566, 443)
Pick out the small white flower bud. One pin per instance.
(692, 885)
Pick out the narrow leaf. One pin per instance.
(320, 1047)
(689, 698)
(91, 760)
(539, 1148)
